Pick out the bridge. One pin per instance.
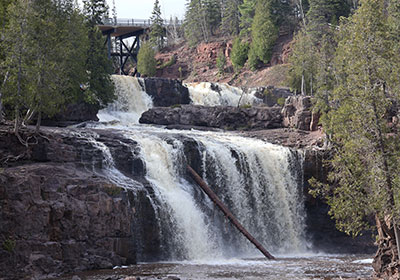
(122, 30)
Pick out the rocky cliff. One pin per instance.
(59, 212)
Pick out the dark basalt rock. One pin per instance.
(73, 114)
(216, 117)
(166, 92)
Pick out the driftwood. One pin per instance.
(227, 213)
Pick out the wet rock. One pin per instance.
(73, 114)
(230, 118)
(166, 92)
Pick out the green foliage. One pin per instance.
(221, 62)
(113, 190)
(146, 62)
(157, 26)
(168, 63)
(281, 101)
(263, 33)
(365, 167)
(202, 19)
(50, 49)
(239, 53)
(9, 245)
(247, 11)
(231, 18)
(99, 67)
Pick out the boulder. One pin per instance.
(73, 114)
(231, 118)
(166, 92)
(297, 113)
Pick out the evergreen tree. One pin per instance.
(157, 26)
(99, 67)
(247, 12)
(231, 17)
(324, 12)
(303, 68)
(239, 53)
(202, 19)
(365, 168)
(3, 73)
(263, 33)
(146, 62)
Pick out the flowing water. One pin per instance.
(261, 184)
(210, 94)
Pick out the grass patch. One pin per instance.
(169, 63)
(9, 245)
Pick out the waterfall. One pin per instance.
(259, 182)
(132, 101)
(210, 94)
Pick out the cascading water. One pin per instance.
(132, 101)
(210, 94)
(260, 183)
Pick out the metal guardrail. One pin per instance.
(137, 22)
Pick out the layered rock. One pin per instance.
(217, 117)
(166, 92)
(297, 113)
(60, 213)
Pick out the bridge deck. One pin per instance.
(121, 30)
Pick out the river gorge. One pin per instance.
(115, 193)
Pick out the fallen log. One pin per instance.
(227, 213)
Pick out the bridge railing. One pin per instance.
(138, 22)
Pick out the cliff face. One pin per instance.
(59, 213)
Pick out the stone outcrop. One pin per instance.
(166, 92)
(58, 211)
(73, 114)
(297, 113)
(217, 117)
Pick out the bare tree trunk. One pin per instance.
(1, 96)
(39, 121)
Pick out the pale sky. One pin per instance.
(141, 9)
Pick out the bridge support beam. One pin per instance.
(125, 47)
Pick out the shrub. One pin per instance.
(221, 62)
(146, 62)
(239, 53)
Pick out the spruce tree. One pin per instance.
(263, 34)
(202, 19)
(247, 12)
(365, 167)
(231, 18)
(157, 26)
(146, 65)
(98, 66)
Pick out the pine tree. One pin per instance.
(202, 19)
(231, 18)
(365, 168)
(303, 64)
(157, 27)
(99, 67)
(247, 12)
(239, 53)
(146, 62)
(263, 34)
(325, 12)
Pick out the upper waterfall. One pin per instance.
(211, 94)
(132, 101)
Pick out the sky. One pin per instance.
(141, 9)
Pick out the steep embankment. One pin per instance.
(199, 64)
